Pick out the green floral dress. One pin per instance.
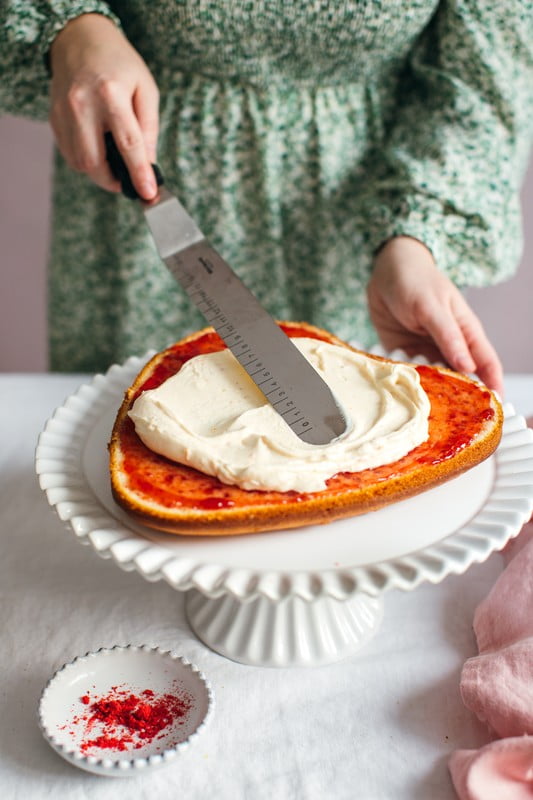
(301, 134)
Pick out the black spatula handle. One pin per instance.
(120, 170)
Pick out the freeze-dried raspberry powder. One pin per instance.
(121, 720)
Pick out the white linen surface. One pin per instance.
(380, 726)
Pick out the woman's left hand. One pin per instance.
(415, 307)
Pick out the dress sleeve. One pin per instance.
(27, 29)
(458, 142)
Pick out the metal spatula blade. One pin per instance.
(288, 381)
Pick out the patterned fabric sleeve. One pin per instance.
(27, 29)
(458, 143)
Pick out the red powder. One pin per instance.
(121, 720)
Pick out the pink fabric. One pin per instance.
(502, 770)
(497, 685)
(506, 614)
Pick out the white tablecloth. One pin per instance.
(377, 727)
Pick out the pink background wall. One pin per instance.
(25, 150)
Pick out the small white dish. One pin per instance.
(71, 707)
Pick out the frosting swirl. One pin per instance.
(211, 416)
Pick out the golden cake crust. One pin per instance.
(464, 429)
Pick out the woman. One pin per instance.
(355, 162)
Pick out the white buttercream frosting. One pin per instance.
(211, 416)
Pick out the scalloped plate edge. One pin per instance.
(61, 478)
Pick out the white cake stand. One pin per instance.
(310, 596)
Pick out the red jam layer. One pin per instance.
(459, 411)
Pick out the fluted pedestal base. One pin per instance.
(289, 633)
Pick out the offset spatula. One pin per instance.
(285, 377)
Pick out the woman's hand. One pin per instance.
(417, 308)
(100, 83)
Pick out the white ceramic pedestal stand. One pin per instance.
(292, 632)
(287, 598)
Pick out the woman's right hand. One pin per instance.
(100, 83)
